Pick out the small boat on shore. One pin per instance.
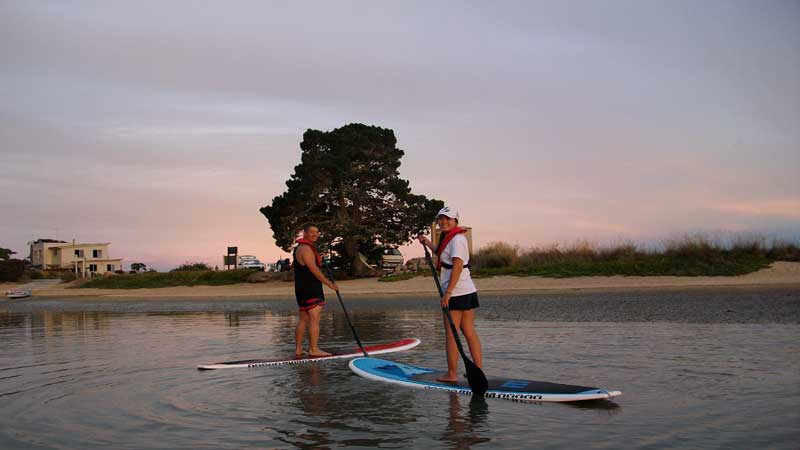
(18, 294)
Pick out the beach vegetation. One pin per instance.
(401, 276)
(691, 255)
(170, 279)
(68, 276)
(11, 269)
(192, 267)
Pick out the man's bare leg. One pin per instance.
(300, 333)
(473, 342)
(313, 332)
(450, 347)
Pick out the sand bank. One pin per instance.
(779, 274)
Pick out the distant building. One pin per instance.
(83, 259)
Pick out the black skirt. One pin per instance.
(464, 302)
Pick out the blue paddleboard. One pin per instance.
(505, 388)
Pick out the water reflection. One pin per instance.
(464, 430)
(102, 380)
(599, 405)
(11, 321)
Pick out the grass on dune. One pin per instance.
(688, 256)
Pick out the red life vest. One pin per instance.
(442, 245)
(303, 241)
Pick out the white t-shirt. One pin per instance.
(457, 248)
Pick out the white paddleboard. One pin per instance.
(346, 353)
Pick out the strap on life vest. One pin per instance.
(450, 266)
(442, 245)
(303, 241)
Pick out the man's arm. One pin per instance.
(307, 257)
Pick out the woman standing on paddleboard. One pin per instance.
(460, 294)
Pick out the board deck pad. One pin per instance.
(506, 388)
(336, 353)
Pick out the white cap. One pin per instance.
(449, 212)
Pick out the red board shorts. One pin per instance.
(311, 303)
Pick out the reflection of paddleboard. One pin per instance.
(349, 352)
(507, 388)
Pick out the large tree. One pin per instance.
(348, 184)
(5, 253)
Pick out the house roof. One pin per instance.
(80, 245)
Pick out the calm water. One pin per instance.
(91, 380)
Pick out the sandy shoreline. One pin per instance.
(779, 275)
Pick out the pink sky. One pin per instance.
(164, 131)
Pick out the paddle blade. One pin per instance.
(476, 378)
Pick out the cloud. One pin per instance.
(788, 208)
(168, 125)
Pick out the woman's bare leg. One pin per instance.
(450, 346)
(473, 342)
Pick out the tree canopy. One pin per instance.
(5, 253)
(348, 184)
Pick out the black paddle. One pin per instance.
(475, 376)
(347, 316)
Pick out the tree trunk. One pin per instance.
(362, 269)
(359, 265)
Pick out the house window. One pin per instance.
(97, 253)
(110, 267)
(92, 267)
(79, 253)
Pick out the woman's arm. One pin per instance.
(455, 274)
(426, 242)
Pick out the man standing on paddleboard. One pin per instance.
(308, 281)
(460, 293)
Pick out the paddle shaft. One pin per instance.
(347, 316)
(475, 376)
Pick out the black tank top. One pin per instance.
(306, 285)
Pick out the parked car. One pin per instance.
(252, 264)
(242, 258)
(391, 258)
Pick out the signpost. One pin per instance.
(231, 259)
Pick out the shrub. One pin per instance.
(172, 278)
(691, 246)
(783, 251)
(624, 250)
(68, 276)
(582, 251)
(496, 254)
(751, 245)
(692, 255)
(189, 266)
(36, 275)
(11, 269)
